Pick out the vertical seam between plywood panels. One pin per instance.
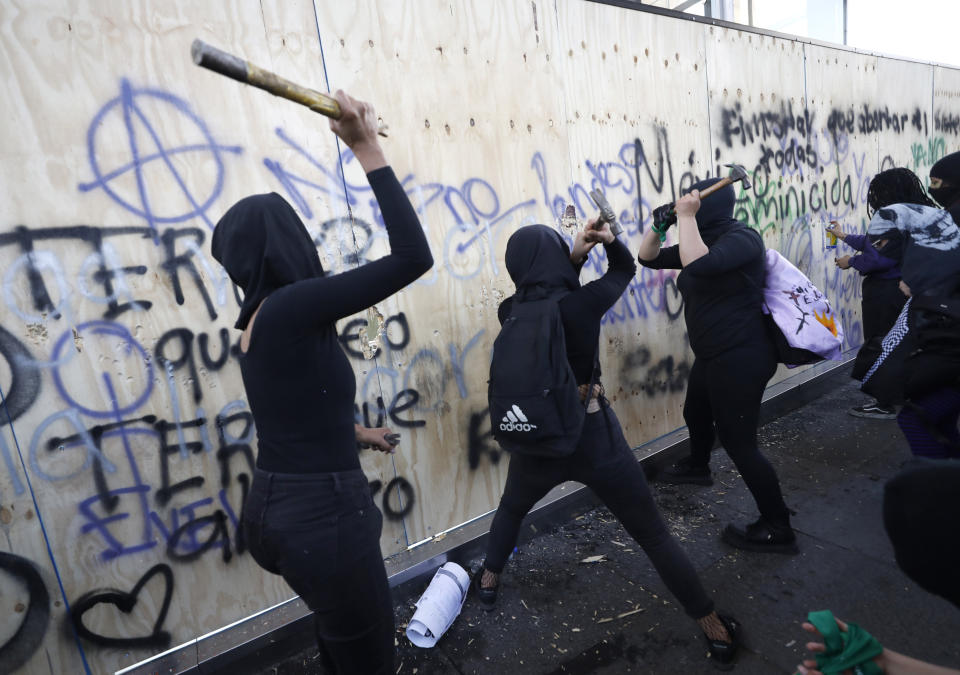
(43, 530)
(571, 162)
(706, 76)
(346, 199)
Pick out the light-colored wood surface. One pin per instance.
(118, 155)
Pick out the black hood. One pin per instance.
(715, 216)
(947, 169)
(538, 260)
(263, 245)
(921, 510)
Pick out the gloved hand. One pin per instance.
(663, 217)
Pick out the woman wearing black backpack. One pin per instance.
(541, 265)
(722, 271)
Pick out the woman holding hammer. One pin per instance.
(310, 516)
(722, 274)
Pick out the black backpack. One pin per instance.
(535, 406)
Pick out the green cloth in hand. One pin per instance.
(854, 649)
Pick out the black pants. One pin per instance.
(723, 397)
(321, 533)
(604, 463)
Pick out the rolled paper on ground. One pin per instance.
(439, 605)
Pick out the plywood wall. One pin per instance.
(125, 441)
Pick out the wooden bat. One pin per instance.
(243, 71)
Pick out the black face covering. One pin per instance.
(947, 169)
(263, 245)
(715, 216)
(538, 260)
(921, 511)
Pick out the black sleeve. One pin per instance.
(667, 259)
(599, 295)
(313, 303)
(732, 250)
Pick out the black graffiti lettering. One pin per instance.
(405, 498)
(185, 337)
(228, 449)
(479, 441)
(38, 289)
(175, 349)
(663, 162)
(174, 262)
(203, 341)
(403, 401)
(672, 299)
(125, 602)
(18, 649)
(244, 481)
(945, 122)
(25, 239)
(24, 387)
(166, 491)
(96, 435)
(218, 520)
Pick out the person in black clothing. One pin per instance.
(538, 259)
(309, 515)
(722, 274)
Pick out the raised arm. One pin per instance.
(315, 302)
(596, 297)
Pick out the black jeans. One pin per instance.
(321, 533)
(604, 463)
(724, 394)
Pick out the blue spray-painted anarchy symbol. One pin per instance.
(145, 147)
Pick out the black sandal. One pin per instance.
(723, 654)
(486, 596)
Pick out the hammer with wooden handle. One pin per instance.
(737, 173)
(243, 71)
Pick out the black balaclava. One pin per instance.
(947, 169)
(715, 216)
(263, 245)
(538, 260)
(921, 510)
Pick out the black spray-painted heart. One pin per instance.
(125, 602)
(18, 649)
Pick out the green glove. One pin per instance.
(661, 231)
(854, 649)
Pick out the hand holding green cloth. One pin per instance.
(854, 649)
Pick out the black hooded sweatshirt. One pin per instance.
(298, 381)
(721, 291)
(538, 261)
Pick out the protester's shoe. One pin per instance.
(873, 411)
(762, 536)
(684, 472)
(723, 654)
(486, 596)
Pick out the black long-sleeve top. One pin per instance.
(721, 291)
(581, 310)
(299, 382)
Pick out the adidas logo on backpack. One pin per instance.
(531, 379)
(515, 420)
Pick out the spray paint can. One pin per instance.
(831, 239)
